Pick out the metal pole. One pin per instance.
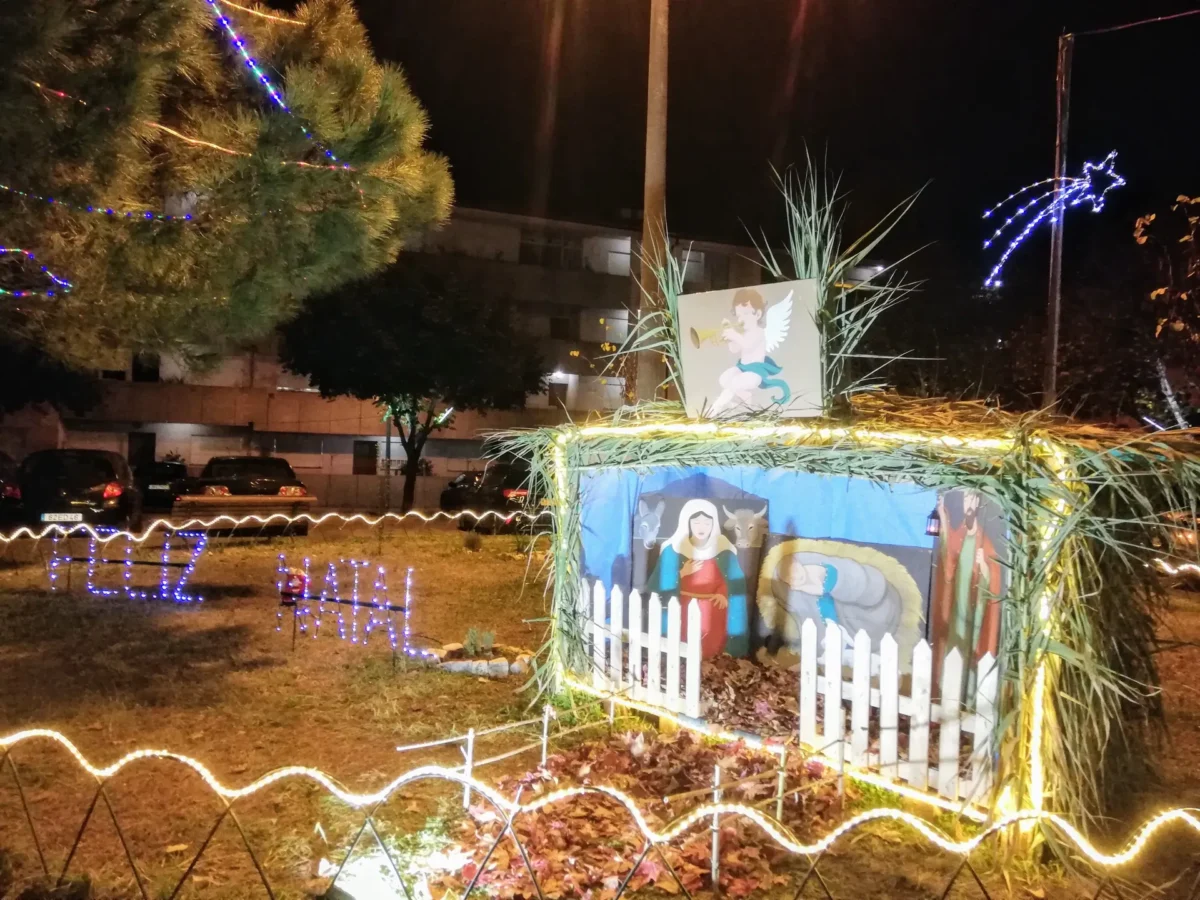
(545, 733)
(646, 373)
(469, 753)
(1066, 45)
(781, 784)
(716, 833)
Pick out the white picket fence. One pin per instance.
(873, 742)
(632, 659)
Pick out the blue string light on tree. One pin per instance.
(50, 292)
(1090, 187)
(148, 215)
(261, 77)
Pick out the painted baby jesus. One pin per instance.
(759, 331)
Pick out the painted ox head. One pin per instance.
(748, 527)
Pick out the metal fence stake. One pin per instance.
(781, 784)
(7, 757)
(469, 753)
(545, 733)
(716, 833)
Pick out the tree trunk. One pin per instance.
(410, 478)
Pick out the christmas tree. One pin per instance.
(188, 171)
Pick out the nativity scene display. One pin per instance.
(761, 552)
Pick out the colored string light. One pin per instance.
(109, 211)
(772, 828)
(60, 282)
(235, 522)
(293, 586)
(261, 77)
(187, 139)
(263, 15)
(1068, 192)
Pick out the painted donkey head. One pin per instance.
(648, 522)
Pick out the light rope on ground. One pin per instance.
(775, 830)
(237, 522)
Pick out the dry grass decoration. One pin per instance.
(1079, 708)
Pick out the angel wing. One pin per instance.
(779, 320)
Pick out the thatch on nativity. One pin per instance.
(1085, 508)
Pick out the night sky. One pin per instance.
(957, 95)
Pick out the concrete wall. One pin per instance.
(364, 492)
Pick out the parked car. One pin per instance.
(245, 485)
(72, 487)
(10, 493)
(502, 487)
(160, 482)
(456, 494)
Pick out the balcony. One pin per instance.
(261, 409)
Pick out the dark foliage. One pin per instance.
(424, 342)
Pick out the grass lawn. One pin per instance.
(218, 682)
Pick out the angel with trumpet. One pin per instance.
(760, 330)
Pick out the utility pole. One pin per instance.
(646, 373)
(1066, 47)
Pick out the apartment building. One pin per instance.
(572, 286)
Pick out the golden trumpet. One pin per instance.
(708, 335)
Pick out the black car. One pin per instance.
(71, 487)
(501, 487)
(10, 492)
(247, 476)
(457, 494)
(241, 486)
(160, 482)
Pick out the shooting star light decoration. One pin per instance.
(1090, 187)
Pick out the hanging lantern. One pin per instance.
(933, 525)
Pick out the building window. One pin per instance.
(145, 367)
(692, 263)
(366, 457)
(558, 394)
(551, 251)
(561, 329)
(718, 271)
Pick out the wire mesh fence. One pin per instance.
(806, 864)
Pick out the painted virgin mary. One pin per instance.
(698, 562)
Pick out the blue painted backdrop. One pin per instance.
(800, 505)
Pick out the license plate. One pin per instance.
(159, 487)
(62, 517)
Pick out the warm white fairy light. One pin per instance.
(223, 521)
(1175, 570)
(775, 830)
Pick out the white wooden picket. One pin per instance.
(617, 651)
(951, 716)
(641, 659)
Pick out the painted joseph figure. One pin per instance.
(966, 591)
